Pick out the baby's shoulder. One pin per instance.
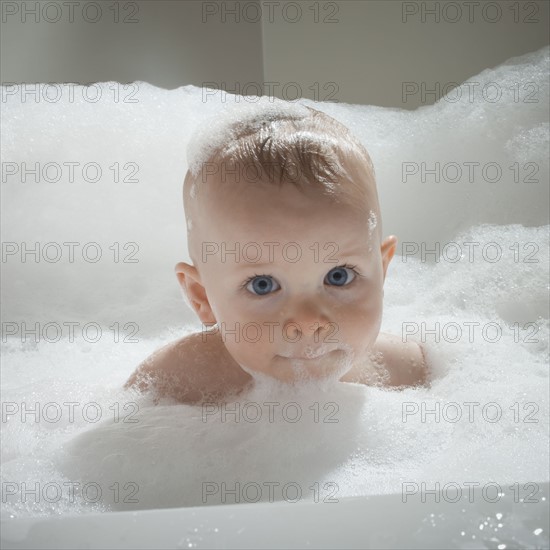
(192, 369)
(404, 361)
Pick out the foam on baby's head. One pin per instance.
(232, 120)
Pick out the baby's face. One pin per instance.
(294, 281)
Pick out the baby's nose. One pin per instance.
(306, 319)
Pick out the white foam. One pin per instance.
(373, 222)
(171, 451)
(235, 117)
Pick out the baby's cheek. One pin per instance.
(363, 325)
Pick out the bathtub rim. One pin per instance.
(290, 527)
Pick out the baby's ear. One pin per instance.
(388, 248)
(190, 282)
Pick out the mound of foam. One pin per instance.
(484, 420)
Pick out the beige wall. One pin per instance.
(373, 46)
(171, 44)
(363, 55)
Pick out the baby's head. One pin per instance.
(284, 232)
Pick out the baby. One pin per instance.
(284, 232)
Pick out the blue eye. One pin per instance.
(261, 285)
(340, 276)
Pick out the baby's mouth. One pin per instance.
(308, 354)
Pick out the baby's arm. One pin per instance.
(392, 363)
(164, 372)
(404, 361)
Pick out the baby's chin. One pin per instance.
(288, 370)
